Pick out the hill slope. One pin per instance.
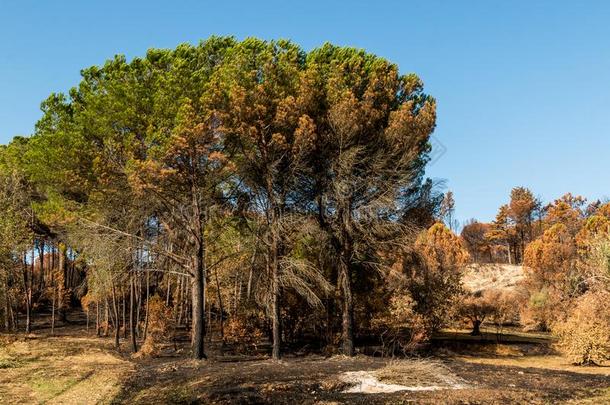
(479, 277)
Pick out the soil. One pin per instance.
(314, 380)
(77, 367)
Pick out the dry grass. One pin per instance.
(479, 277)
(548, 362)
(63, 370)
(418, 373)
(600, 397)
(74, 369)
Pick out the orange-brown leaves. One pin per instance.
(549, 258)
(566, 210)
(304, 135)
(442, 249)
(595, 226)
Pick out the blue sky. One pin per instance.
(523, 87)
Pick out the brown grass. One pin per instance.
(62, 370)
(479, 277)
(548, 362)
(76, 368)
(418, 373)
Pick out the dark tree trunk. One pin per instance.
(124, 316)
(250, 275)
(345, 258)
(98, 326)
(209, 324)
(28, 293)
(63, 263)
(53, 312)
(198, 297)
(348, 310)
(7, 307)
(41, 247)
(220, 308)
(273, 261)
(117, 329)
(276, 353)
(476, 327)
(147, 306)
(329, 320)
(169, 287)
(106, 317)
(138, 298)
(11, 321)
(132, 325)
(179, 302)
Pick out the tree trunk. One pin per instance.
(169, 287)
(476, 327)
(132, 326)
(209, 324)
(98, 326)
(13, 324)
(276, 354)
(28, 294)
(178, 303)
(147, 306)
(138, 298)
(348, 309)
(345, 248)
(220, 307)
(198, 296)
(7, 306)
(329, 320)
(41, 247)
(117, 329)
(53, 312)
(124, 317)
(273, 261)
(106, 317)
(249, 288)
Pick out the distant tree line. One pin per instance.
(564, 248)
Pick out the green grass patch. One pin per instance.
(49, 387)
(10, 363)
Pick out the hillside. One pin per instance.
(479, 277)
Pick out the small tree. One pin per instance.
(476, 308)
(435, 273)
(474, 236)
(447, 211)
(401, 328)
(159, 326)
(58, 295)
(551, 276)
(507, 304)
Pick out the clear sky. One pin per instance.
(523, 87)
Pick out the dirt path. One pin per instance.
(60, 370)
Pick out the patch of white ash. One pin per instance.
(365, 382)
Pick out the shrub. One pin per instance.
(159, 326)
(584, 335)
(401, 329)
(245, 330)
(435, 274)
(506, 304)
(540, 310)
(476, 308)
